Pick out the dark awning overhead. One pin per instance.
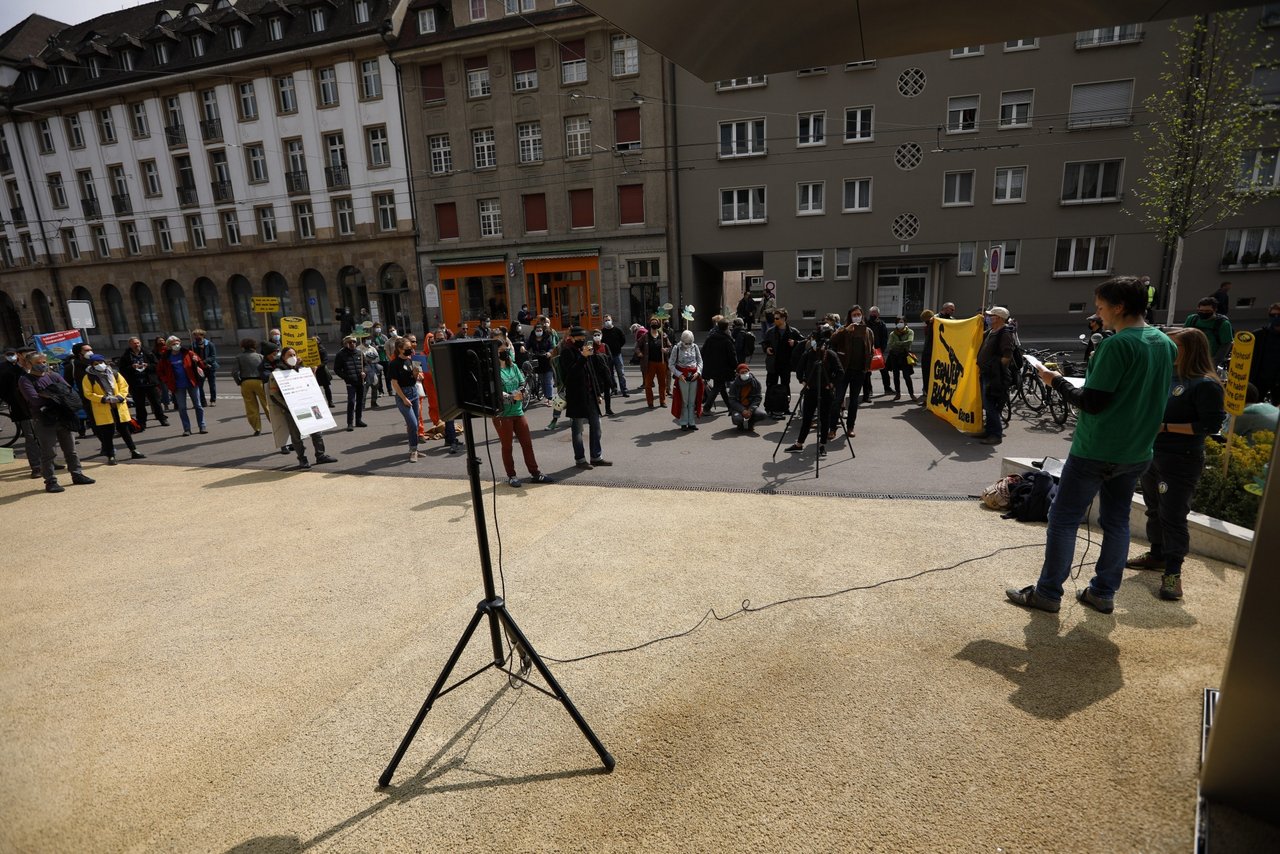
(721, 39)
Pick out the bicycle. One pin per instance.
(532, 383)
(1059, 409)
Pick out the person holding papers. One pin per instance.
(289, 361)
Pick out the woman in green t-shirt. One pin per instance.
(512, 423)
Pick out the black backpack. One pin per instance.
(1030, 500)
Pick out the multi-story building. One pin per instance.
(170, 161)
(887, 182)
(538, 141)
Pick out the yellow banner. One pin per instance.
(311, 357)
(293, 333)
(264, 305)
(953, 389)
(1238, 373)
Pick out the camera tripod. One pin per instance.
(495, 609)
(821, 416)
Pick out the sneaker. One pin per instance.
(186, 432)
(413, 456)
(137, 455)
(81, 479)
(35, 473)
(514, 481)
(202, 430)
(361, 424)
(350, 429)
(583, 464)
(303, 464)
(990, 440)
(325, 458)
(540, 478)
(54, 487)
(1094, 601)
(1027, 598)
(1146, 560)
(693, 426)
(601, 463)
(111, 461)
(1171, 588)
(822, 451)
(257, 432)
(795, 449)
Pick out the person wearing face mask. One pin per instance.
(719, 356)
(745, 397)
(512, 423)
(273, 340)
(880, 331)
(1264, 370)
(482, 329)
(602, 364)
(686, 367)
(138, 368)
(246, 371)
(539, 345)
(159, 351)
(898, 358)
(51, 402)
(73, 371)
(653, 347)
(11, 370)
(107, 393)
(180, 370)
(854, 344)
(1215, 326)
(350, 366)
(820, 370)
(208, 353)
(744, 341)
(379, 342)
(279, 410)
(583, 397)
(615, 339)
(403, 372)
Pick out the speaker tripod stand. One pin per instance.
(495, 610)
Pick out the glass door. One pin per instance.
(902, 291)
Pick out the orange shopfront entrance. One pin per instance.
(470, 291)
(567, 290)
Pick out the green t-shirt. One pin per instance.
(1136, 366)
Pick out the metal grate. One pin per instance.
(908, 156)
(911, 82)
(906, 226)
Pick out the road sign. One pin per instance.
(81, 311)
(264, 305)
(993, 273)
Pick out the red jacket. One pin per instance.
(193, 364)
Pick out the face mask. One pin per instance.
(857, 318)
(1275, 321)
(11, 359)
(902, 326)
(537, 333)
(744, 377)
(608, 324)
(504, 355)
(653, 329)
(86, 354)
(1205, 314)
(813, 345)
(875, 317)
(275, 339)
(595, 338)
(175, 347)
(377, 330)
(291, 361)
(408, 353)
(98, 369)
(39, 369)
(826, 327)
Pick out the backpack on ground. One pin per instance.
(777, 400)
(996, 496)
(1030, 500)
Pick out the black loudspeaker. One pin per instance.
(467, 377)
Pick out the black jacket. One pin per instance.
(129, 362)
(581, 385)
(10, 394)
(780, 341)
(744, 344)
(615, 338)
(880, 330)
(820, 368)
(349, 366)
(719, 357)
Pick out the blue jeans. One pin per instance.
(548, 385)
(593, 420)
(410, 415)
(617, 372)
(180, 400)
(1081, 480)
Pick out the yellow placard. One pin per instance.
(264, 305)
(952, 387)
(293, 333)
(1238, 372)
(311, 356)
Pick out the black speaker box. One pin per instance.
(467, 378)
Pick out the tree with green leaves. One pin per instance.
(1205, 120)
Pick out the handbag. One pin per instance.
(877, 361)
(911, 360)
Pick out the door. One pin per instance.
(902, 291)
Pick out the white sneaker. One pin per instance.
(413, 456)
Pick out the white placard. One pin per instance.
(1034, 362)
(305, 400)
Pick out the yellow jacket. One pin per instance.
(94, 393)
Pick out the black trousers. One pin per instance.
(144, 396)
(810, 407)
(719, 389)
(355, 402)
(105, 432)
(1168, 486)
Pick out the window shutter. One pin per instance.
(475, 63)
(535, 212)
(1021, 96)
(432, 82)
(965, 102)
(582, 213)
(447, 220)
(573, 50)
(1100, 103)
(626, 128)
(631, 204)
(524, 59)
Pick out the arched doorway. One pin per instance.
(119, 325)
(351, 287)
(145, 305)
(10, 322)
(242, 302)
(44, 317)
(210, 305)
(277, 286)
(316, 295)
(393, 296)
(175, 299)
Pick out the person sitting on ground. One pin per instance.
(745, 397)
(107, 393)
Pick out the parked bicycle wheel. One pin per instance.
(1032, 390)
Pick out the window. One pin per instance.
(573, 61)
(1260, 170)
(379, 146)
(524, 69)
(296, 179)
(957, 188)
(139, 122)
(490, 218)
(962, 52)
(195, 232)
(1082, 256)
(1011, 184)
(100, 241)
(327, 86)
(844, 264)
(248, 101)
(857, 195)
(479, 10)
(160, 227)
(1009, 250)
(385, 203)
(128, 60)
(335, 147)
(477, 68)
(1100, 104)
(626, 55)
(965, 258)
(1021, 44)
(742, 205)
(432, 82)
(809, 197)
(441, 154)
(962, 114)
(6, 252)
(132, 244)
(582, 209)
(370, 79)
(266, 217)
(255, 156)
(426, 20)
(345, 215)
(631, 204)
(1247, 247)
(231, 228)
(741, 83)
(162, 53)
(483, 151)
(275, 28)
(808, 265)
(1124, 34)
(197, 44)
(75, 134)
(447, 221)
(151, 179)
(626, 129)
(742, 138)
(286, 95)
(857, 124)
(318, 19)
(304, 221)
(535, 213)
(235, 37)
(363, 15)
(577, 136)
(529, 142)
(515, 7)
(1267, 82)
(70, 245)
(1015, 109)
(1092, 181)
(46, 137)
(106, 127)
(60, 74)
(811, 128)
(57, 192)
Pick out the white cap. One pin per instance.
(998, 311)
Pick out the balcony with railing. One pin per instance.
(211, 130)
(296, 182)
(122, 204)
(187, 196)
(176, 136)
(337, 177)
(90, 208)
(222, 192)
